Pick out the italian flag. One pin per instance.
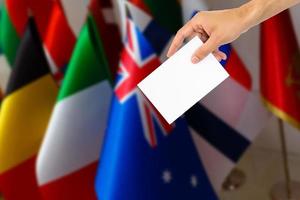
(68, 158)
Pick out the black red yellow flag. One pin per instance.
(25, 112)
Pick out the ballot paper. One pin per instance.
(177, 84)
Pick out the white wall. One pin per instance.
(247, 47)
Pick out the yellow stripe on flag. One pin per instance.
(24, 118)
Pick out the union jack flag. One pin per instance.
(133, 168)
(137, 61)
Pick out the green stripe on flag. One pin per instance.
(1, 11)
(167, 13)
(88, 64)
(9, 38)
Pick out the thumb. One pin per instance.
(209, 46)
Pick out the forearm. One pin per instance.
(256, 11)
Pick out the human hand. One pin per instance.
(214, 28)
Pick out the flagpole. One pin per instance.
(288, 189)
(285, 159)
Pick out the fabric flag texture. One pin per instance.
(59, 41)
(171, 21)
(157, 34)
(76, 12)
(280, 74)
(25, 112)
(141, 158)
(242, 122)
(9, 37)
(5, 70)
(15, 17)
(57, 36)
(103, 13)
(226, 121)
(104, 16)
(18, 14)
(4, 66)
(69, 155)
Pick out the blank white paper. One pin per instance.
(177, 84)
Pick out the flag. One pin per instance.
(25, 112)
(18, 14)
(4, 72)
(237, 115)
(9, 37)
(227, 120)
(171, 21)
(280, 75)
(69, 155)
(103, 13)
(57, 35)
(59, 41)
(15, 17)
(76, 12)
(141, 158)
(4, 66)
(158, 36)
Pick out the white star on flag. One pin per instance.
(167, 176)
(194, 181)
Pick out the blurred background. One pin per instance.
(258, 157)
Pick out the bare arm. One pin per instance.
(219, 27)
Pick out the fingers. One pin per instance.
(209, 46)
(219, 55)
(181, 35)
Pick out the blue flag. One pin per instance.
(143, 156)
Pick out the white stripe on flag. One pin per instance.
(51, 63)
(140, 18)
(4, 72)
(76, 12)
(239, 108)
(74, 136)
(120, 16)
(216, 165)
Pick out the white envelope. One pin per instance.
(178, 84)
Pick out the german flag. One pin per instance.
(30, 97)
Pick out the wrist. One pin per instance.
(250, 14)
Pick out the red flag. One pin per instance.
(108, 31)
(59, 41)
(18, 12)
(280, 68)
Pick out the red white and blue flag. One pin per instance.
(225, 123)
(144, 157)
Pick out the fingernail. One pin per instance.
(169, 54)
(195, 59)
